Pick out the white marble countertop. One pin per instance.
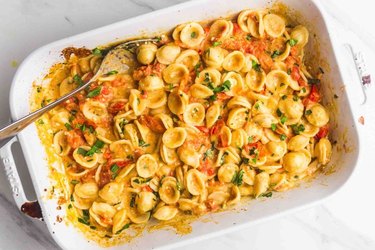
(345, 221)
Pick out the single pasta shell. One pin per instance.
(274, 25)
(60, 144)
(194, 114)
(175, 73)
(201, 91)
(194, 181)
(226, 172)
(146, 166)
(261, 183)
(190, 58)
(165, 213)
(192, 35)
(87, 190)
(234, 61)
(212, 114)
(237, 118)
(174, 137)
(177, 102)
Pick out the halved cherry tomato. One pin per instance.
(203, 129)
(116, 107)
(217, 127)
(74, 138)
(153, 123)
(323, 132)
(295, 73)
(314, 94)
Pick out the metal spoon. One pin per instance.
(118, 59)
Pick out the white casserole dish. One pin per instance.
(344, 128)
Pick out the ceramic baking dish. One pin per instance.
(344, 130)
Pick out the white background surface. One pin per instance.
(346, 221)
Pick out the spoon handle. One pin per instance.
(15, 127)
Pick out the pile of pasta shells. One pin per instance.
(212, 114)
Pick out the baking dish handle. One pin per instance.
(363, 73)
(12, 175)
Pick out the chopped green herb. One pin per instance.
(289, 71)
(282, 137)
(97, 52)
(93, 227)
(275, 54)
(142, 143)
(82, 127)
(304, 90)
(248, 37)
(123, 228)
(292, 42)
(193, 34)
(71, 198)
(94, 92)
(254, 160)
(40, 121)
(273, 127)
(171, 86)
(237, 178)
(268, 195)
(74, 182)
(245, 160)
(256, 105)
(84, 221)
(68, 126)
(77, 79)
(284, 97)
(158, 38)
(295, 98)
(114, 169)
(81, 151)
(208, 154)
(218, 43)
(255, 66)
(38, 89)
(112, 72)
(223, 88)
(95, 148)
(196, 68)
(297, 129)
(70, 206)
(136, 181)
(308, 112)
(213, 98)
(313, 81)
(250, 139)
(279, 113)
(283, 119)
(85, 218)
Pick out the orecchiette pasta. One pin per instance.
(208, 115)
